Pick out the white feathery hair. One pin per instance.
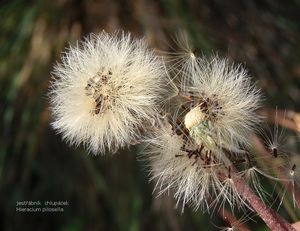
(104, 89)
(230, 97)
(192, 181)
(182, 57)
(218, 111)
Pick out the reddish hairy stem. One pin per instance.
(273, 220)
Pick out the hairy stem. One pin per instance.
(273, 220)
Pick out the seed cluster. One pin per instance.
(211, 107)
(98, 88)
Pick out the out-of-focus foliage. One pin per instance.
(112, 192)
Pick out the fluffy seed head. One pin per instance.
(223, 103)
(106, 87)
(216, 115)
(195, 174)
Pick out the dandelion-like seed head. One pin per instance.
(223, 104)
(195, 173)
(196, 156)
(104, 91)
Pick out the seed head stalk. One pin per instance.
(273, 220)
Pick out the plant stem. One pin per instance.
(273, 220)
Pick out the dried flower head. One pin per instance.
(222, 104)
(195, 174)
(196, 153)
(104, 90)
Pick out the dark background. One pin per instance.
(112, 192)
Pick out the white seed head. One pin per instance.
(104, 90)
(226, 101)
(190, 171)
(218, 113)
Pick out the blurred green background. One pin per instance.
(112, 192)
